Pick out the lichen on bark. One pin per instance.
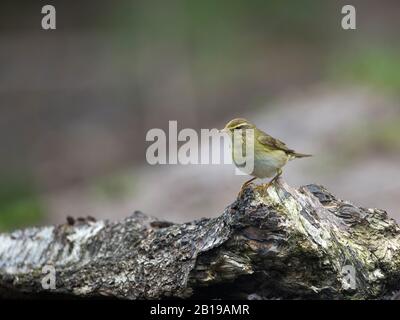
(275, 242)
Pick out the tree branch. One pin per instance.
(270, 243)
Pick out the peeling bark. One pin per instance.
(270, 243)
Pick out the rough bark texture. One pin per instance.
(270, 243)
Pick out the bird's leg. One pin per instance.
(248, 182)
(244, 185)
(279, 173)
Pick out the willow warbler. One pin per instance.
(270, 154)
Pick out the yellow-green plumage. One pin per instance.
(270, 154)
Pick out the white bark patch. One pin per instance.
(80, 236)
(24, 249)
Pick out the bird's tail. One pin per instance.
(300, 155)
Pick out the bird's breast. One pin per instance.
(265, 162)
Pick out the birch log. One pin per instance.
(271, 243)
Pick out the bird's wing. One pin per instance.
(273, 143)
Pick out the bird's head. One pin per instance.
(238, 124)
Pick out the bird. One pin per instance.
(270, 154)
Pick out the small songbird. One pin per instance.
(270, 154)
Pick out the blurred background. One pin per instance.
(76, 102)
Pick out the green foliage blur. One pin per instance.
(19, 203)
(377, 66)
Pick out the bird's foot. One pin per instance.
(244, 187)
